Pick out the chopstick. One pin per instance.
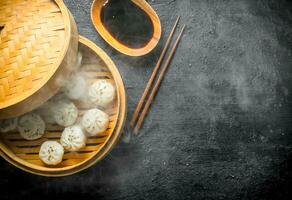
(157, 84)
(153, 75)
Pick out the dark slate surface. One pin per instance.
(220, 127)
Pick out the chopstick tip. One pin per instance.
(136, 131)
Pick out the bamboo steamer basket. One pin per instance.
(38, 48)
(24, 154)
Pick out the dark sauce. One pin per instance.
(127, 23)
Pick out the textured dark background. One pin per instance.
(220, 127)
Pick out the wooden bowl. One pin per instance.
(38, 47)
(96, 8)
(24, 154)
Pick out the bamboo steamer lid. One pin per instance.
(38, 49)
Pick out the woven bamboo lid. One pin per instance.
(38, 48)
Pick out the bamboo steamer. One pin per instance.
(24, 154)
(38, 48)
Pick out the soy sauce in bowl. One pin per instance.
(127, 23)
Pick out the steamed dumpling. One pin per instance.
(65, 113)
(95, 121)
(76, 87)
(46, 111)
(7, 125)
(31, 126)
(101, 93)
(73, 138)
(51, 153)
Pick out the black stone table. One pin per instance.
(220, 127)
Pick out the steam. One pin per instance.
(75, 88)
(61, 81)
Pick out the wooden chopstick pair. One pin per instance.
(136, 117)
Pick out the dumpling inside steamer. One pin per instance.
(95, 121)
(7, 125)
(76, 87)
(31, 126)
(62, 111)
(101, 93)
(73, 138)
(65, 113)
(51, 153)
(46, 111)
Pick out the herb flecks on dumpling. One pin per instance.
(7, 125)
(31, 126)
(101, 93)
(51, 153)
(73, 138)
(65, 113)
(95, 121)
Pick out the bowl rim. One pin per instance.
(112, 41)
